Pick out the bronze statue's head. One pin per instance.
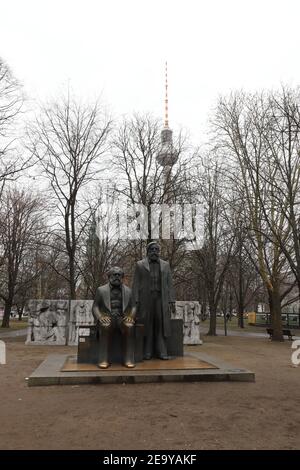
(153, 250)
(115, 276)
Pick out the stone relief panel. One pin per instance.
(50, 321)
(47, 321)
(189, 312)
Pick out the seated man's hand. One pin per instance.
(128, 320)
(105, 320)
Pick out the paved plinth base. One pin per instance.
(61, 369)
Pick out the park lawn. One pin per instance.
(14, 324)
(232, 325)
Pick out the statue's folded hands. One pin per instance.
(105, 320)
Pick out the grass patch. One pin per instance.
(232, 325)
(14, 324)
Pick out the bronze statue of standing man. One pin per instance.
(155, 299)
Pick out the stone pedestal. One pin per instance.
(88, 344)
(61, 369)
(175, 341)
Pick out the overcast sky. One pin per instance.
(117, 48)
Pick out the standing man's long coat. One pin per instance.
(142, 294)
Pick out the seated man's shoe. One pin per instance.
(103, 365)
(147, 357)
(129, 364)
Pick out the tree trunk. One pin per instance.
(240, 315)
(6, 315)
(71, 247)
(212, 321)
(275, 312)
(225, 324)
(230, 305)
(20, 312)
(241, 296)
(72, 282)
(203, 310)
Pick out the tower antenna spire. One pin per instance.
(167, 154)
(166, 99)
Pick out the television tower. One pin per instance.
(167, 155)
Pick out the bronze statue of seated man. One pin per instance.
(112, 309)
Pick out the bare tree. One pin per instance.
(241, 122)
(212, 260)
(143, 180)
(98, 251)
(12, 164)
(283, 140)
(21, 231)
(243, 276)
(51, 263)
(70, 141)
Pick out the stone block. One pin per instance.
(175, 341)
(88, 345)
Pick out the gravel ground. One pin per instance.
(260, 415)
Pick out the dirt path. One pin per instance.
(13, 333)
(261, 415)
